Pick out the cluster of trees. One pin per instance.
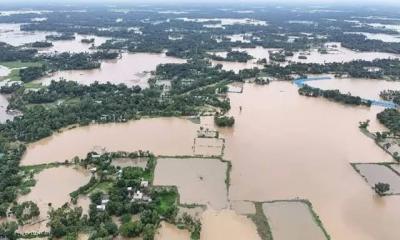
(77, 61)
(43, 44)
(381, 188)
(8, 89)
(63, 36)
(224, 121)
(391, 119)
(10, 53)
(87, 40)
(233, 56)
(358, 68)
(31, 73)
(193, 75)
(280, 56)
(71, 61)
(391, 95)
(67, 222)
(361, 43)
(25, 211)
(97, 102)
(334, 95)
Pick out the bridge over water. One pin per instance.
(382, 103)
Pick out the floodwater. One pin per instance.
(162, 136)
(257, 53)
(386, 26)
(4, 115)
(375, 173)
(131, 69)
(227, 21)
(339, 54)
(208, 146)
(381, 36)
(53, 186)
(365, 88)
(169, 231)
(200, 180)
(75, 46)
(10, 33)
(226, 224)
(282, 146)
(4, 71)
(292, 220)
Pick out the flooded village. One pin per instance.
(118, 129)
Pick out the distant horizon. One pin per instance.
(311, 3)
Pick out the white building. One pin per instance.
(138, 195)
(144, 183)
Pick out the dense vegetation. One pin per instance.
(31, 73)
(388, 68)
(334, 95)
(158, 203)
(391, 119)
(42, 44)
(224, 121)
(391, 95)
(233, 56)
(196, 86)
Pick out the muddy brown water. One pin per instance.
(282, 146)
(375, 173)
(53, 186)
(199, 180)
(131, 69)
(292, 220)
(365, 88)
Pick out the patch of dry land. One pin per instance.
(199, 180)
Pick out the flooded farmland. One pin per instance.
(364, 88)
(337, 53)
(292, 220)
(226, 224)
(169, 231)
(76, 45)
(311, 161)
(53, 186)
(200, 180)
(270, 162)
(11, 33)
(376, 173)
(162, 136)
(280, 163)
(131, 69)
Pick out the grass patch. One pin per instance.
(166, 201)
(261, 222)
(33, 85)
(99, 187)
(19, 64)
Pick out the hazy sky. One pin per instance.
(361, 3)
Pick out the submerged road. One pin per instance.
(382, 103)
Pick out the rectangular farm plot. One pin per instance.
(199, 180)
(292, 220)
(378, 173)
(208, 146)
